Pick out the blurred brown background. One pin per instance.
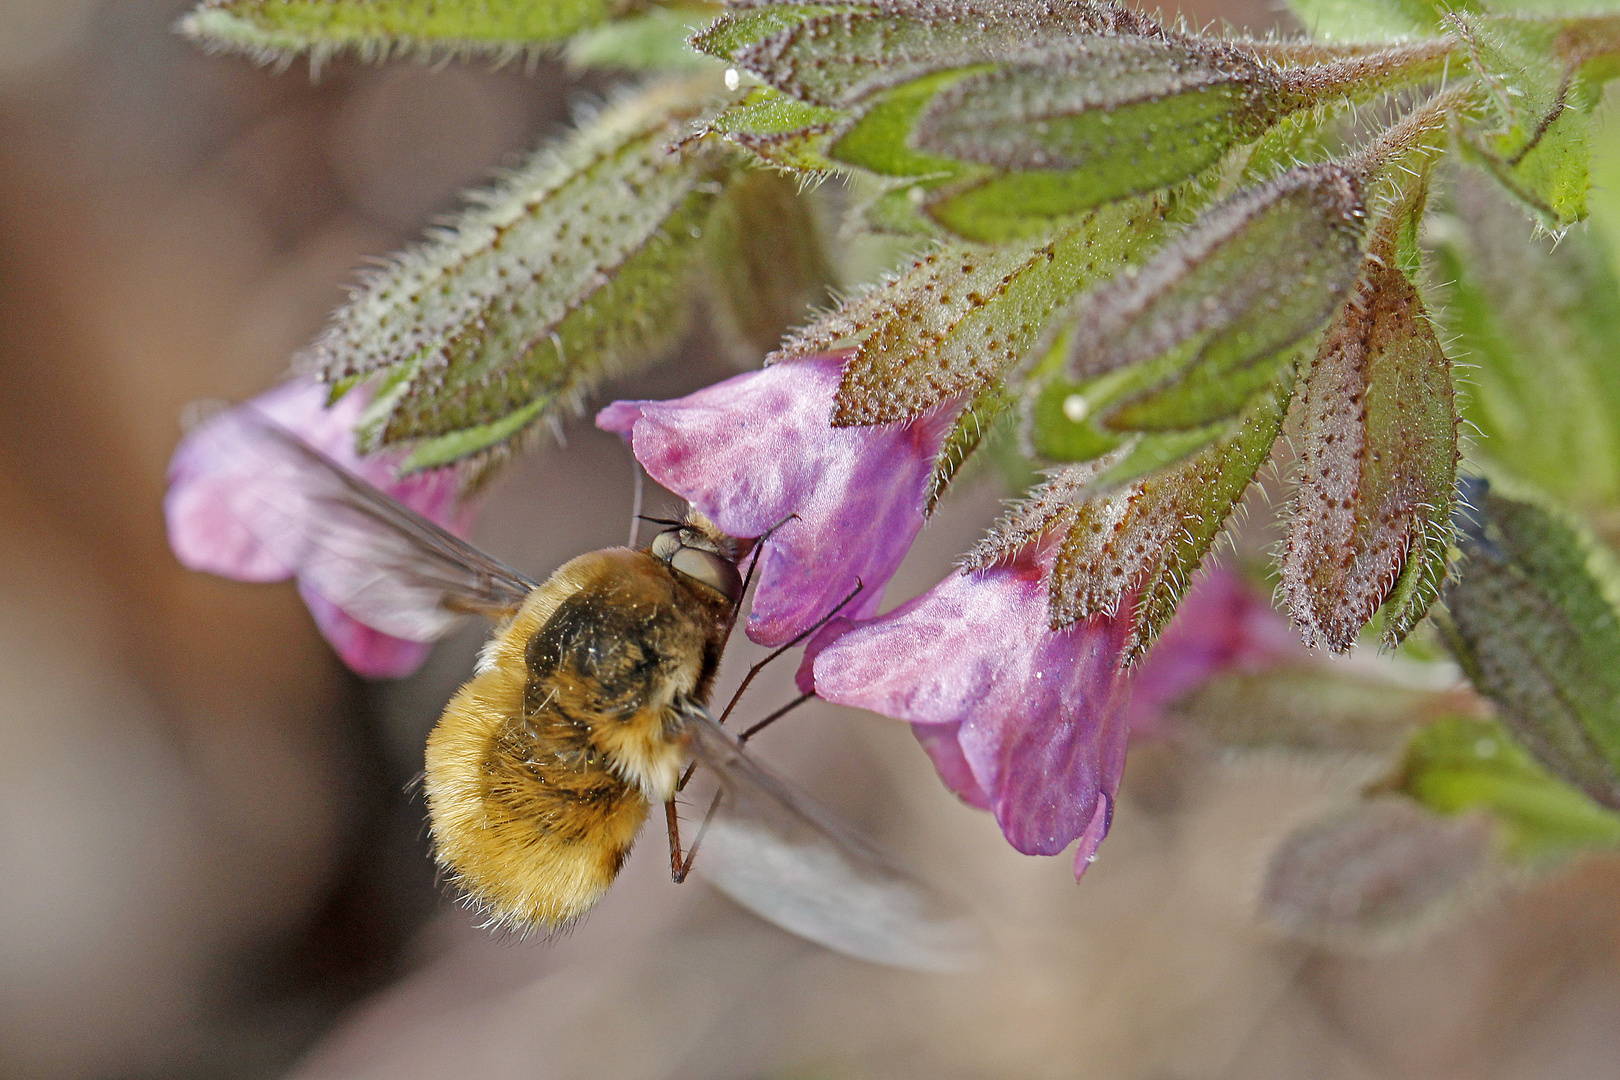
(210, 864)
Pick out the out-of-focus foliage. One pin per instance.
(1531, 621)
(1459, 765)
(1535, 319)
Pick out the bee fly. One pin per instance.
(586, 705)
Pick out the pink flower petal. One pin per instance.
(805, 677)
(1085, 852)
(757, 451)
(1038, 712)
(205, 530)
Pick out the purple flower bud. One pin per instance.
(227, 505)
(1021, 719)
(758, 451)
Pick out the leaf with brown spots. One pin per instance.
(1532, 623)
(1379, 871)
(1378, 466)
(571, 270)
(961, 317)
(833, 57)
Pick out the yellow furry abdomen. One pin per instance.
(533, 826)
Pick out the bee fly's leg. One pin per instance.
(677, 865)
(753, 562)
(755, 670)
(680, 866)
(774, 717)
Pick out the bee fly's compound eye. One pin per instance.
(715, 571)
(665, 545)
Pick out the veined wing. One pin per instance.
(358, 547)
(788, 860)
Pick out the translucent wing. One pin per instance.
(358, 547)
(792, 863)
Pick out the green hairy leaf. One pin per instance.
(654, 40)
(1537, 141)
(623, 326)
(1220, 305)
(961, 317)
(1055, 131)
(1458, 765)
(1123, 115)
(1532, 624)
(1060, 416)
(1013, 115)
(1118, 115)
(745, 26)
(1371, 20)
(878, 139)
(1378, 464)
(779, 130)
(376, 29)
(1062, 421)
(546, 285)
(1536, 323)
(1375, 873)
(837, 56)
(895, 208)
(975, 423)
(997, 208)
(1162, 526)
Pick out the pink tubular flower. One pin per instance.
(230, 507)
(1025, 721)
(758, 451)
(1020, 719)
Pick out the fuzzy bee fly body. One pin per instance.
(543, 768)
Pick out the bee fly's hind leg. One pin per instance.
(678, 867)
(681, 865)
